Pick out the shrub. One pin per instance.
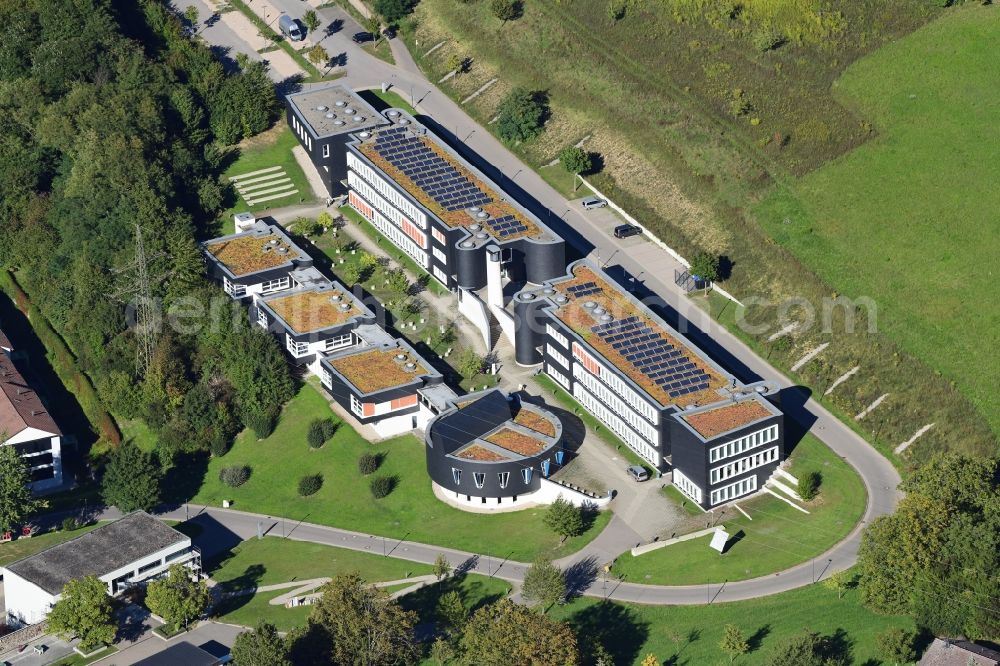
(809, 485)
(320, 430)
(369, 463)
(234, 476)
(262, 423)
(310, 484)
(69, 524)
(220, 447)
(521, 115)
(381, 486)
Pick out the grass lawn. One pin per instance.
(410, 512)
(270, 149)
(777, 537)
(139, 433)
(389, 100)
(15, 550)
(678, 497)
(902, 218)
(76, 660)
(691, 634)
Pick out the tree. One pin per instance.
(456, 63)
(470, 363)
(544, 582)
(808, 648)
(575, 160)
(324, 220)
(841, 582)
(364, 624)
(705, 266)
(442, 567)
(261, 647)
(564, 518)
(373, 24)
(191, 15)
(895, 646)
(177, 598)
(809, 485)
(507, 634)
(650, 660)
(318, 56)
(521, 115)
(311, 20)
(16, 502)
(131, 479)
(733, 642)
(84, 610)
(392, 11)
(505, 10)
(451, 612)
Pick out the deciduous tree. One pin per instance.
(311, 20)
(16, 501)
(441, 566)
(507, 634)
(733, 642)
(564, 518)
(131, 479)
(575, 160)
(261, 647)
(318, 56)
(177, 598)
(521, 115)
(895, 646)
(544, 583)
(84, 610)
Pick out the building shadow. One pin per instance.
(216, 542)
(184, 479)
(798, 418)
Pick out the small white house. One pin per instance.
(124, 553)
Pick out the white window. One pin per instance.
(356, 406)
(326, 378)
(309, 142)
(752, 461)
(687, 486)
(479, 478)
(745, 443)
(262, 317)
(526, 475)
(441, 256)
(457, 475)
(438, 236)
(734, 490)
(613, 402)
(326, 150)
(617, 425)
(296, 348)
(557, 336)
(387, 190)
(278, 284)
(556, 356)
(234, 290)
(504, 477)
(387, 228)
(556, 375)
(441, 276)
(339, 341)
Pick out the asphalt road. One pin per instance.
(653, 269)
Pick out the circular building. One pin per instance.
(490, 450)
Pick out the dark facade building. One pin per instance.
(659, 393)
(490, 448)
(259, 261)
(323, 119)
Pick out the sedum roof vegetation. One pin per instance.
(307, 311)
(252, 253)
(728, 417)
(611, 298)
(480, 453)
(517, 442)
(378, 370)
(535, 421)
(454, 218)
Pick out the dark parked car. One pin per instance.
(389, 33)
(362, 37)
(626, 230)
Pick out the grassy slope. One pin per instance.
(777, 537)
(909, 219)
(273, 148)
(410, 512)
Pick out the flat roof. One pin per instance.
(716, 420)
(374, 370)
(314, 309)
(334, 109)
(633, 339)
(258, 249)
(98, 552)
(184, 653)
(484, 427)
(447, 185)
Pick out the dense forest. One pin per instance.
(112, 121)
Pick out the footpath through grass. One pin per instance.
(410, 512)
(777, 537)
(909, 219)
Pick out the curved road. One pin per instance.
(655, 267)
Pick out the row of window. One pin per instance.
(268, 286)
(479, 478)
(441, 276)
(389, 230)
(299, 349)
(603, 414)
(616, 404)
(234, 290)
(393, 215)
(556, 356)
(556, 375)
(386, 190)
(557, 336)
(439, 236)
(295, 348)
(737, 467)
(614, 382)
(737, 446)
(304, 135)
(440, 255)
(687, 486)
(734, 490)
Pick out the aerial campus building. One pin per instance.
(435, 206)
(650, 385)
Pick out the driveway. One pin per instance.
(211, 635)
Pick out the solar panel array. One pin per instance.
(665, 365)
(508, 225)
(428, 170)
(584, 289)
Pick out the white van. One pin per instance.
(291, 28)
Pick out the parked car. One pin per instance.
(593, 202)
(362, 37)
(637, 472)
(389, 33)
(291, 28)
(626, 230)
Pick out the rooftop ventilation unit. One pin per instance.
(345, 306)
(474, 209)
(590, 305)
(482, 215)
(349, 112)
(358, 119)
(482, 235)
(330, 115)
(282, 250)
(561, 300)
(365, 135)
(410, 367)
(338, 123)
(475, 227)
(404, 121)
(393, 113)
(400, 357)
(467, 244)
(341, 103)
(606, 317)
(321, 108)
